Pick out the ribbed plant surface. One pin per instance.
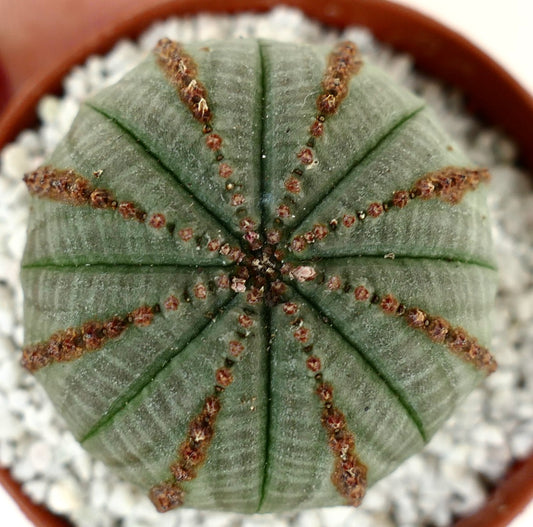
(258, 276)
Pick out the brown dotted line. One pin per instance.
(69, 187)
(349, 474)
(343, 62)
(182, 71)
(233, 253)
(237, 199)
(192, 452)
(72, 343)
(437, 329)
(449, 184)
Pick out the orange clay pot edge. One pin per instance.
(490, 91)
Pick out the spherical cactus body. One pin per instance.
(258, 276)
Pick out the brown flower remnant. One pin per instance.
(449, 184)
(181, 70)
(191, 454)
(343, 62)
(72, 343)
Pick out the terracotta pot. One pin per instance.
(490, 92)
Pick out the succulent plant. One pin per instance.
(258, 276)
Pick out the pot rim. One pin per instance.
(436, 50)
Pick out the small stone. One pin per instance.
(36, 489)
(64, 496)
(40, 456)
(122, 500)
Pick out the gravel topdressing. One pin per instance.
(450, 478)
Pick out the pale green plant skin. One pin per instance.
(130, 403)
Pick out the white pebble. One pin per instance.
(15, 161)
(99, 493)
(9, 376)
(40, 456)
(7, 452)
(6, 311)
(48, 109)
(11, 427)
(121, 500)
(64, 496)
(82, 466)
(36, 489)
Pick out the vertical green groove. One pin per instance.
(267, 314)
(267, 318)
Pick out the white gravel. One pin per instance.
(492, 429)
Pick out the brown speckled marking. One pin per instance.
(181, 70)
(186, 234)
(157, 221)
(245, 321)
(361, 293)
(439, 330)
(72, 343)
(191, 454)
(192, 451)
(225, 171)
(298, 244)
(348, 220)
(343, 62)
(213, 142)
(334, 283)
(166, 496)
(448, 184)
(290, 308)
(436, 328)
(305, 155)
(171, 303)
(293, 185)
(303, 273)
(349, 473)
(222, 281)
(67, 186)
(283, 211)
(214, 245)
(200, 291)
